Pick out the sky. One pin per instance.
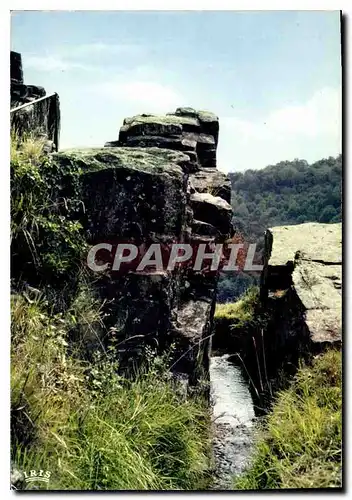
(272, 77)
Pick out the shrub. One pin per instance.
(46, 237)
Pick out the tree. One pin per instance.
(327, 214)
(287, 193)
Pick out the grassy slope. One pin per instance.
(301, 443)
(92, 429)
(77, 418)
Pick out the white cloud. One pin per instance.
(53, 63)
(321, 114)
(69, 58)
(309, 131)
(148, 96)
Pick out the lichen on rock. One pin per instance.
(306, 260)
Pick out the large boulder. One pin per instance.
(214, 210)
(145, 195)
(210, 180)
(131, 192)
(188, 130)
(307, 258)
(164, 125)
(209, 121)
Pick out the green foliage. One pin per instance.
(234, 284)
(290, 192)
(93, 429)
(44, 379)
(300, 445)
(328, 214)
(45, 233)
(240, 313)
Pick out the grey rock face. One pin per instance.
(208, 121)
(16, 67)
(210, 180)
(308, 258)
(213, 210)
(311, 241)
(141, 189)
(185, 130)
(43, 117)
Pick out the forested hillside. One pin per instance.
(291, 192)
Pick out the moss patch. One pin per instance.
(162, 120)
(153, 160)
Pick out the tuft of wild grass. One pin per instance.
(93, 429)
(241, 311)
(301, 442)
(29, 148)
(137, 437)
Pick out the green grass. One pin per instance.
(241, 311)
(301, 443)
(91, 428)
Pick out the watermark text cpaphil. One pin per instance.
(124, 257)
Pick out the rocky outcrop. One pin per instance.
(157, 183)
(298, 312)
(153, 186)
(303, 269)
(301, 302)
(32, 111)
(188, 130)
(21, 93)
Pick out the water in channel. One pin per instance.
(233, 421)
